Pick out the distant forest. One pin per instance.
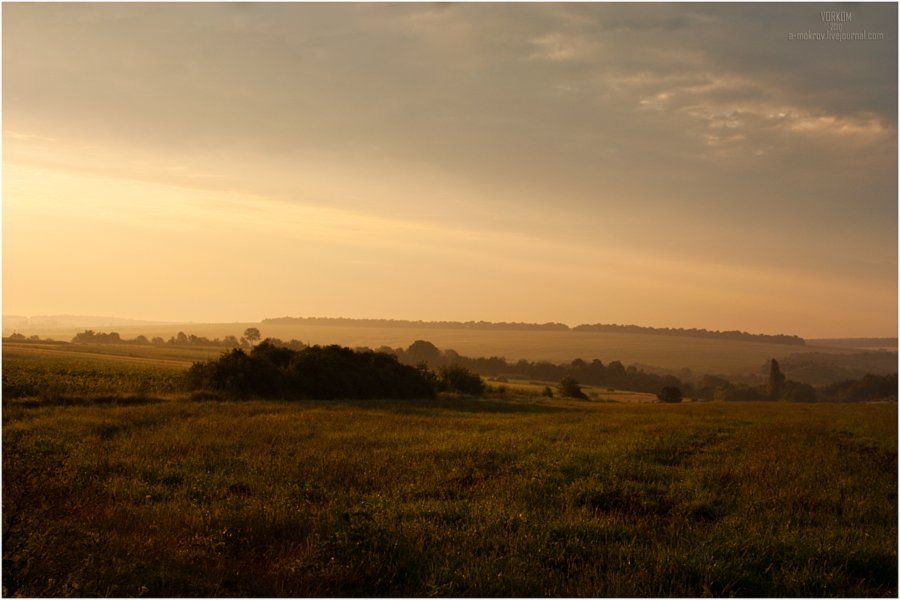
(598, 327)
(701, 333)
(399, 323)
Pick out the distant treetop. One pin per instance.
(598, 327)
(414, 324)
(701, 333)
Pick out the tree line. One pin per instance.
(614, 374)
(453, 371)
(631, 378)
(515, 326)
(694, 332)
(246, 341)
(325, 372)
(402, 323)
(869, 387)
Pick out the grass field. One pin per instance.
(701, 355)
(139, 354)
(450, 497)
(135, 489)
(50, 371)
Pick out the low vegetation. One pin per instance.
(449, 497)
(570, 388)
(460, 380)
(269, 371)
(670, 395)
(246, 341)
(595, 372)
(55, 375)
(447, 367)
(869, 387)
(822, 369)
(117, 482)
(743, 336)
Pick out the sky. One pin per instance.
(664, 165)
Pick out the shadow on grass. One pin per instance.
(463, 404)
(105, 400)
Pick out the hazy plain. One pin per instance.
(668, 352)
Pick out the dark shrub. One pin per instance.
(422, 351)
(794, 391)
(739, 393)
(547, 392)
(459, 379)
(570, 388)
(316, 372)
(776, 380)
(670, 394)
(870, 387)
(236, 374)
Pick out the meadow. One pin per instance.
(84, 371)
(161, 494)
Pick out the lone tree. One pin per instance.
(252, 335)
(670, 394)
(459, 379)
(421, 351)
(570, 388)
(776, 380)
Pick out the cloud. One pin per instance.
(668, 130)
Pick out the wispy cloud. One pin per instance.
(693, 133)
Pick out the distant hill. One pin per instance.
(503, 326)
(701, 333)
(399, 323)
(820, 368)
(886, 343)
(11, 322)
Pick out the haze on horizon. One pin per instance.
(663, 165)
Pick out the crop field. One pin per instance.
(670, 352)
(138, 354)
(48, 371)
(163, 495)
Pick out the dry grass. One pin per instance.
(89, 371)
(452, 497)
(116, 484)
(173, 356)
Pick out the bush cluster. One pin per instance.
(271, 370)
(570, 388)
(669, 394)
(319, 372)
(459, 379)
(870, 387)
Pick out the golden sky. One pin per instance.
(662, 165)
